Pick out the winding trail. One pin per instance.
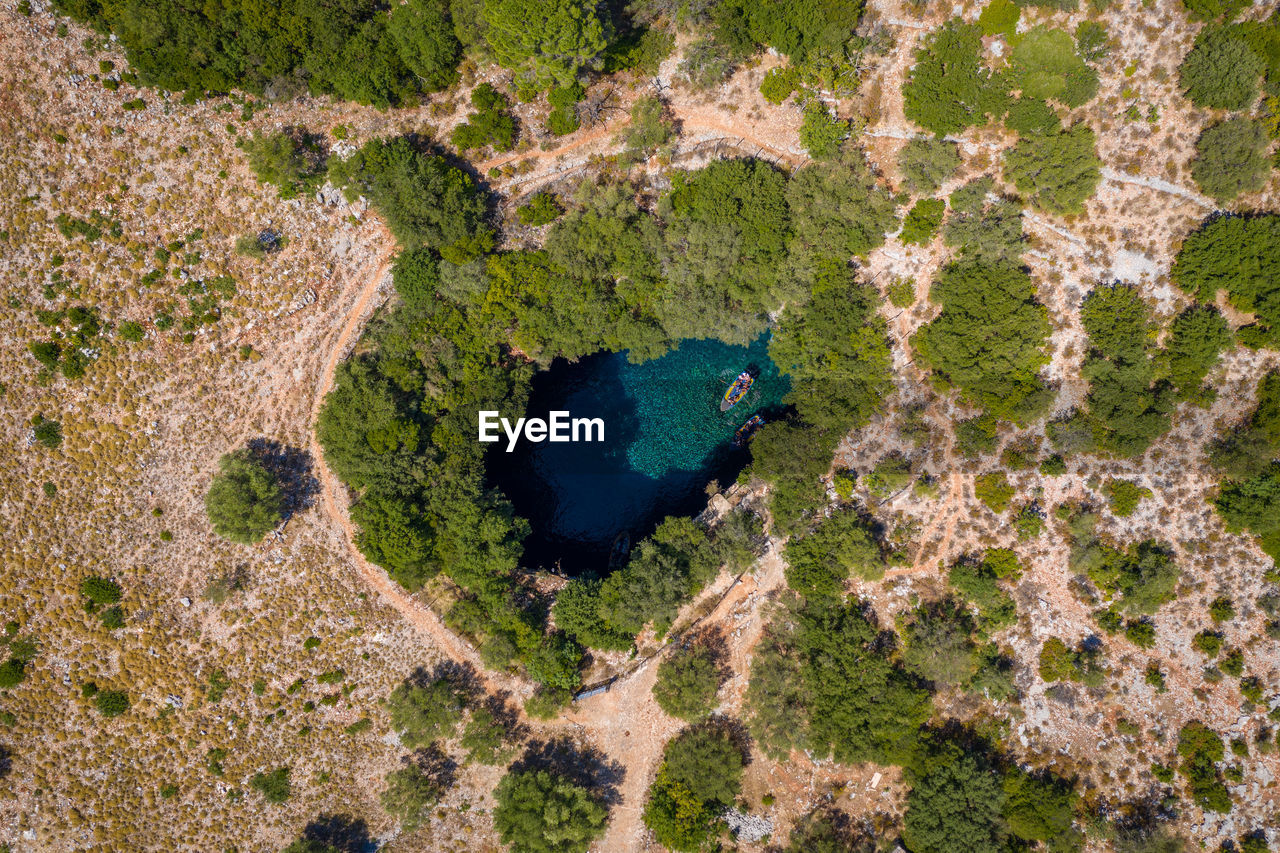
(362, 288)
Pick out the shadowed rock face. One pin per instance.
(665, 439)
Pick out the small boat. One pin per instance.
(737, 391)
(747, 430)
(618, 550)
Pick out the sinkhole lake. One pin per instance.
(665, 439)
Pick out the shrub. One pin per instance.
(938, 644)
(993, 489)
(1231, 159)
(922, 221)
(100, 590)
(820, 561)
(1124, 496)
(111, 703)
(541, 209)
(1208, 643)
(1044, 64)
(999, 17)
(687, 682)
(244, 501)
(274, 785)
(131, 331)
(927, 163)
(779, 83)
(490, 124)
(12, 672)
(424, 713)
(1221, 609)
(1201, 749)
(410, 794)
(291, 160)
(821, 132)
(48, 432)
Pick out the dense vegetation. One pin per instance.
(244, 500)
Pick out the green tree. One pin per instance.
(820, 561)
(1201, 748)
(664, 569)
(926, 164)
(650, 127)
(947, 83)
(687, 683)
(1145, 574)
(707, 760)
(1198, 336)
(983, 229)
(491, 124)
(821, 132)
(1213, 10)
(1250, 505)
(938, 644)
(777, 700)
(1242, 256)
(923, 220)
(1221, 71)
(410, 794)
(1231, 159)
(956, 803)
(486, 738)
(989, 339)
(292, 160)
(423, 713)
(425, 201)
(244, 500)
(1038, 807)
(1124, 496)
(835, 351)
(1128, 407)
(547, 41)
(539, 811)
(425, 39)
(1057, 172)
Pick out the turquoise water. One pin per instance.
(665, 439)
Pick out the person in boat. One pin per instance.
(737, 391)
(747, 430)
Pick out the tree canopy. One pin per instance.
(1221, 71)
(945, 91)
(539, 811)
(1057, 172)
(1231, 159)
(546, 41)
(989, 339)
(244, 500)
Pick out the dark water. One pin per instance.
(665, 439)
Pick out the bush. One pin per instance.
(131, 331)
(541, 209)
(1198, 336)
(1221, 609)
(955, 803)
(1057, 172)
(12, 672)
(1208, 643)
(244, 501)
(111, 703)
(923, 221)
(100, 590)
(545, 42)
(650, 127)
(274, 786)
(927, 163)
(1124, 496)
(48, 432)
(1213, 10)
(821, 132)
(425, 713)
(993, 489)
(1231, 159)
(490, 124)
(999, 17)
(687, 682)
(1201, 749)
(539, 811)
(779, 83)
(1221, 72)
(291, 160)
(410, 794)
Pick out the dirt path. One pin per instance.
(627, 723)
(366, 283)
